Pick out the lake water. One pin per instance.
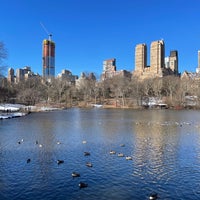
(164, 145)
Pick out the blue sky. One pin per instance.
(86, 32)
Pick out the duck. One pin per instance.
(128, 158)
(60, 161)
(87, 153)
(89, 164)
(58, 142)
(84, 141)
(75, 174)
(153, 196)
(28, 160)
(82, 185)
(112, 152)
(122, 145)
(120, 155)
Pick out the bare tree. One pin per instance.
(31, 91)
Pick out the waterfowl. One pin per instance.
(89, 164)
(28, 160)
(82, 185)
(36, 142)
(58, 142)
(75, 174)
(112, 152)
(87, 153)
(84, 141)
(60, 161)
(122, 145)
(120, 155)
(128, 158)
(153, 196)
(40, 145)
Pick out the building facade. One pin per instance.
(140, 57)
(67, 76)
(173, 61)
(11, 75)
(22, 74)
(157, 57)
(109, 68)
(159, 65)
(48, 58)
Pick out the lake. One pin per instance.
(164, 146)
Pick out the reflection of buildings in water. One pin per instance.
(155, 142)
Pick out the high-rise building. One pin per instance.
(173, 61)
(109, 68)
(11, 75)
(157, 58)
(140, 57)
(19, 75)
(48, 58)
(159, 64)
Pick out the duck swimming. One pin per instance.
(120, 155)
(60, 161)
(112, 152)
(75, 174)
(89, 164)
(82, 185)
(128, 158)
(153, 196)
(87, 153)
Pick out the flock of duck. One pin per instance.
(152, 196)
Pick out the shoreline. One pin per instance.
(10, 111)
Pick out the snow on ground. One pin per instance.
(11, 107)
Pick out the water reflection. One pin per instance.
(164, 146)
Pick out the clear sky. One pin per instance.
(86, 32)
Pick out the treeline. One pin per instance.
(116, 91)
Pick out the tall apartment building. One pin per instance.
(48, 58)
(11, 75)
(157, 57)
(159, 65)
(173, 61)
(109, 68)
(21, 74)
(140, 57)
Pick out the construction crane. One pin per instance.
(47, 32)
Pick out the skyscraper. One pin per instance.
(157, 58)
(140, 57)
(173, 61)
(11, 75)
(48, 58)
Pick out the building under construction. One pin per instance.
(48, 58)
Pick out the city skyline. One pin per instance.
(86, 32)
